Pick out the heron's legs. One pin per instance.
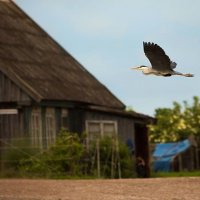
(188, 75)
(180, 74)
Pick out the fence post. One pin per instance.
(98, 160)
(118, 158)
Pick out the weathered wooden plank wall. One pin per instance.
(9, 92)
(125, 125)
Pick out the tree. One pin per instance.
(176, 123)
(192, 116)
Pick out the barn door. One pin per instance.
(142, 145)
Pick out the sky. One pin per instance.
(106, 37)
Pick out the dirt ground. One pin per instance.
(136, 189)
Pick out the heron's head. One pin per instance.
(142, 67)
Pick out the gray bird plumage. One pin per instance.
(160, 62)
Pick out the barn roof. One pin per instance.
(41, 67)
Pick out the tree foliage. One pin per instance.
(176, 123)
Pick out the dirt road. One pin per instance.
(126, 189)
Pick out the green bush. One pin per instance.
(61, 159)
(12, 154)
(115, 160)
(69, 157)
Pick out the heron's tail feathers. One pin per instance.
(173, 64)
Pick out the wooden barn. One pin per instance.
(43, 88)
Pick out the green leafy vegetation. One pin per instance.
(176, 123)
(61, 159)
(115, 160)
(69, 157)
(13, 153)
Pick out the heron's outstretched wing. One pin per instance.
(157, 57)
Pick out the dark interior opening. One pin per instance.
(142, 145)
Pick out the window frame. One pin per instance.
(102, 132)
(36, 128)
(65, 119)
(50, 124)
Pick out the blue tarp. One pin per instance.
(165, 152)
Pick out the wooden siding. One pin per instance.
(49, 125)
(186, 161)
(128, 129)
(76, 120)
(10, 92)
(125, 125)
(9, 126)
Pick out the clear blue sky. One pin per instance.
(106, 37)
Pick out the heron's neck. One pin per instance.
(147, 70)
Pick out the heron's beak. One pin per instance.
(135, 68)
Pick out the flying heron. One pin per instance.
(161, 63)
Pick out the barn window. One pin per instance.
(93, 130)
(36, 128)
(64, 119)
(50, 126)
(109, 128)
(96, 129)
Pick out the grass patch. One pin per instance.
(176, 174)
